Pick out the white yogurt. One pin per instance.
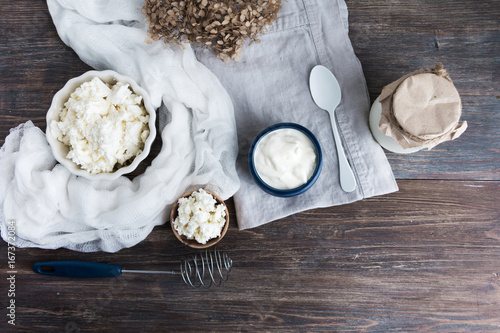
(285, 158)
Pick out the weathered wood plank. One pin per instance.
(390, 38)
(393, 38)
(424, 258)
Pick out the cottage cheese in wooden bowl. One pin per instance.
(199, 219)
(101, 125)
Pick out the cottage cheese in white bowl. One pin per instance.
(101, 125)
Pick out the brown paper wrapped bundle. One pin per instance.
(421, 109)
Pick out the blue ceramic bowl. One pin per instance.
(288, 192)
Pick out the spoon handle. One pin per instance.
(347, 179)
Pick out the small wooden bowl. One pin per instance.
(192, 242)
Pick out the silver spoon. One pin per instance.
(325, 91)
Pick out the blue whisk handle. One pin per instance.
(77, 269)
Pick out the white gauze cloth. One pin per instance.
(51, 208)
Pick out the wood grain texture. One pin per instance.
(423, 259)
(393, 38)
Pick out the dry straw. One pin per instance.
(220, 25)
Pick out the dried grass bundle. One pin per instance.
(220, 25)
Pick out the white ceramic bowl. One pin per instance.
(60, 150)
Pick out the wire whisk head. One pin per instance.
(206, 268)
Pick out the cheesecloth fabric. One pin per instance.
(50, 208)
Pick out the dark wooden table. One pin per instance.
(426, 258)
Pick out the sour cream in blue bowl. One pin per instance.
(285, 159)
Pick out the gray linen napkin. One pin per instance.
(270, 84)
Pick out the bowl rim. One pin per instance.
(192, 242)
(288, 192)
(59, 149)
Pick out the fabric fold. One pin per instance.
(52, 208)
(270, 85)
(205, 140)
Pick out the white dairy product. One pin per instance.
(285, 158)
(200, 217)
(105, 126)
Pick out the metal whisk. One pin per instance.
(194, 267)
(201, 269)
